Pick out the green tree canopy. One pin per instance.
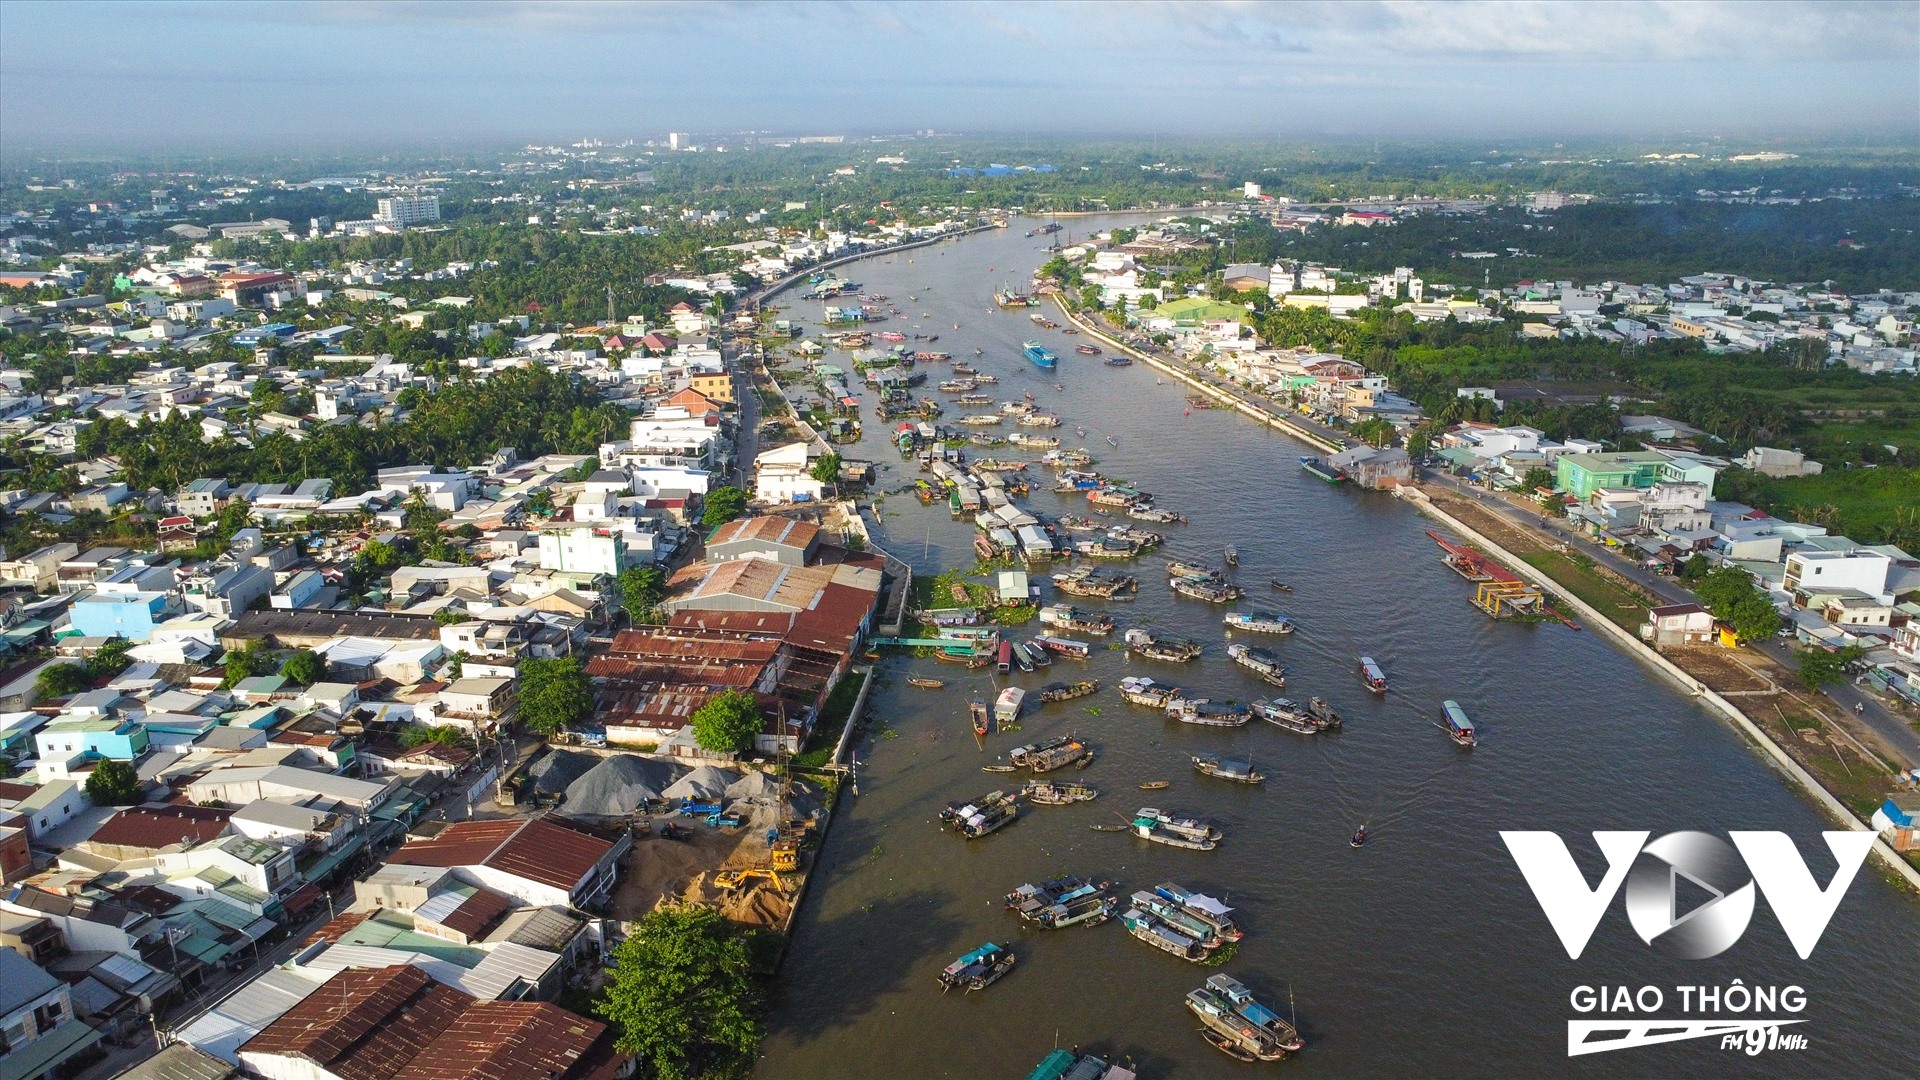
(245, 663)
(641, 590)
(59, 680)
(555, 694)
(304, 667)
(682, 994)
(723, 504)
(113, 783)
(1730, 594)
(826, 469)
(1820, 667)
(421, 734)
(728, 722)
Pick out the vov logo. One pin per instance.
(1653, 874)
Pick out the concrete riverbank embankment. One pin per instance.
(1700, 691)
(1236, 401)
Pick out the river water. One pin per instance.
(1423, 953)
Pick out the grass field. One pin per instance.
(1579, 577)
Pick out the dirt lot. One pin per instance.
(1725, 670)
(679, 872)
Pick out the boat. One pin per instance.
(1148, 512)
(1087, 350)
(1052, 793)
(1063, 752)
(1217, 916)
(1177, 917)
(1020, 755)
(998, 768)
(1067, 617)
(1020, 657)
(1459, 725)
(1178, 568)
(1164, 828)
(1006, 708)
(1262, 662)
(925, 683)
(956, 386)
(1206, 712)
(1232, 555)
(974, 399)
(980, 419)
(1155, 785)
(980, 377)
(1140, 690)
(1032, 897)
(1258, 622)
(1086, 581)
(1286, 713)
(1322, 713)
(1036, 656)
(1228, 769)
(977, 712)
(1068, 691)
(1153, 930)
(1039, 355)
(1239, 1024)
(990, 812)
(1281, 585)
(1141, 643)
(1359, 837)
(978, 969)
(1007, 298)
(1371, 674)
(1208, 589)
(1321, 468)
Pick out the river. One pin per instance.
(1423, 953)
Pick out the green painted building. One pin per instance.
(1580, 475)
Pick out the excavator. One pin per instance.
(730, 880)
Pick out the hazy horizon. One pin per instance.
(366, 74)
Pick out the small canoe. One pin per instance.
(1108, 828)
(1155, 785)
(996, 768)
(1282, 586)
(925, 683)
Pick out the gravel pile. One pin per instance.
(705, 784)
(554, 773)
(618, 785)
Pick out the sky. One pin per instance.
(357, 71)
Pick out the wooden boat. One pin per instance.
(1050, 793)
(1156, 785)
(998, 768)
(1258, 622)
(1153, 930)
(1281, 585)
(977, 712)
(1459, 725)
(1068, 691)
(1140, 690)
(1205, 588)
(1077, 650)
(1284, 712)
(1372, 675)
(1104, 827)
(1228, 769)
(1239, 1025)
(978, 969)
(1068, 752)
(1359, 837)
(925, 683)
(1262, 662)
(1068, 617)
(1232, 555)
(1177, 568)
(1141, 643)
(1164, 828)
(1205, 712)
(1087, 350)
(976, 818)
(1214, 914)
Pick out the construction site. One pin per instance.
(737, 839)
